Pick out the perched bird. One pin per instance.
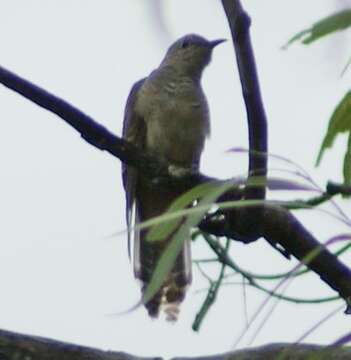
(167, 115)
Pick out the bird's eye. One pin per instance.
(185, 44)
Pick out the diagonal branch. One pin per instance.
(97, 135)
(292, 235)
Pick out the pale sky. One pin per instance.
(61, 273)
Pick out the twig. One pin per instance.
(291, 299)
(332, 189)
(300, 242)
(225, 259)
(211, 296)
(319, 323)
(335, 188)
(270, 277)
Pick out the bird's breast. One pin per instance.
(176, 118)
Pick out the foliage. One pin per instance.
(327, 26)
(340, 120)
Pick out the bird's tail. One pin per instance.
(151, 203)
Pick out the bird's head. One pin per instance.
(190, 54)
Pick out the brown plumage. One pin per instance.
(167, 115)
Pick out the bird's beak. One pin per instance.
(214, 43)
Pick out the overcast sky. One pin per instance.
(61, 272)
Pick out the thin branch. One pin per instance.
(239, 23)
(335, 189)
(267, 277)
(332, 189)
(291, 299)
(225, 259)
(203, 273)
(246, 310)
(319, 323)
(292, 235)
(211, 295)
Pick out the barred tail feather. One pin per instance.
(173, 290)
(147, 254)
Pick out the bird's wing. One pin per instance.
(133, 131)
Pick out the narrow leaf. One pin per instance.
(347, 163)
(343, 340)
(339, 122)
(285, 184)
(163, 229)
(345, 68)
(171, 252)
(296, 37)
(324, 27)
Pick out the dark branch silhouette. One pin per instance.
(239, 24)
(24, 347)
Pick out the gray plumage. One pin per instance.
(167, 115)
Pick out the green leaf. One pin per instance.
(339, 122)
(163, 229)
(324, 27)
(345, 68)
(296, 37)
(171, 252)
(347, 163)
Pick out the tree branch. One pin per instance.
(239, 23)
(98, 136)
(294, 237)
(25, 347)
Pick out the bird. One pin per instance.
(166, 115)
